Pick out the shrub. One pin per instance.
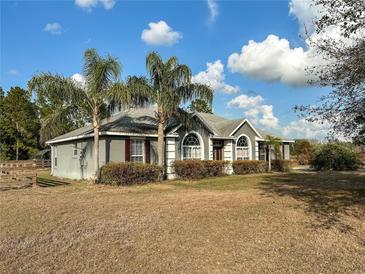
(280, 165)
(334, 156)
(249, 166)
(129, 173)
(302, 151)
(214, 168)
(198, 169)
(189, 169)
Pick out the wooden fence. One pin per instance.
(22, 170)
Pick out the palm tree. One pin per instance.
(91, 100)
(169, 87)
(272, 143)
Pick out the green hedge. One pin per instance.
(280, 165)
(198, 169)
(128, 173)
(334, 156)
(249, 166)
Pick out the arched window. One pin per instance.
(242, 148)
(191, 147)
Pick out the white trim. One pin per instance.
(105, 133)
(175, 129)
(241, 124)
(249, 146)
(202, 154)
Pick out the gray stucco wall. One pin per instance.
(70, 165)
(111, 149)
(247, 130)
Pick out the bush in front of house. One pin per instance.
(249, 166)
(189, 169)
(198, 169)
(128, 173)
(214, 168)
(280, 165)
(334, 156)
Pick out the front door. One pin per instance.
(217, 150)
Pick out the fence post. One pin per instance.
(34, 179)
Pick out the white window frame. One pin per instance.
(137, 155)
(74, 148)
(248, 147)
(201, 146)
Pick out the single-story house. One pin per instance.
(132, 136)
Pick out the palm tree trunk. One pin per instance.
(96, 125)
(160, 143)
(160, 140)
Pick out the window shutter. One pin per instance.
(127, 150)
(147, 151)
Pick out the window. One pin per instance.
(137, 151)
(262, 151)
(191, 147)
(74, 151)
(242, 149)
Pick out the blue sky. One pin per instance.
(262, 83)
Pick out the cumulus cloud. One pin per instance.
(273, 60)
(13, 72)
(160, 34)
(213, 9)
(53, 28)
(90, 4)
(255, 110)
(307, 130)
(244, 101)
(306, 13)
(214, 77)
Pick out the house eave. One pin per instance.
(105, 133)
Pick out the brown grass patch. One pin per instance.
(293, 222)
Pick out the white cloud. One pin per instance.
(79, 80)
(255, 111)
(306, 13)
(213, 9)
(273, 60)
(307, 130)
(214, 77)
(90, 4)
(244, 101)
(53, 28)
(160, 34)
(108, 4)
(13, 72)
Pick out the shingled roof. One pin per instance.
(142, 121)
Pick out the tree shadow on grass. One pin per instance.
(328, 196)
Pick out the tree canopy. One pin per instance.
(19, 125)
(343, 68)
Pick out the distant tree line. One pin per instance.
(19, 125)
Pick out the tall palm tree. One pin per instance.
(92, 100)
(272, 143)
(169, 86)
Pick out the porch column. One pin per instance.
(228, 154)
(256, 150)
(170, 157)
(210, 149)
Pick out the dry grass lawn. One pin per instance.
(278, 223)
